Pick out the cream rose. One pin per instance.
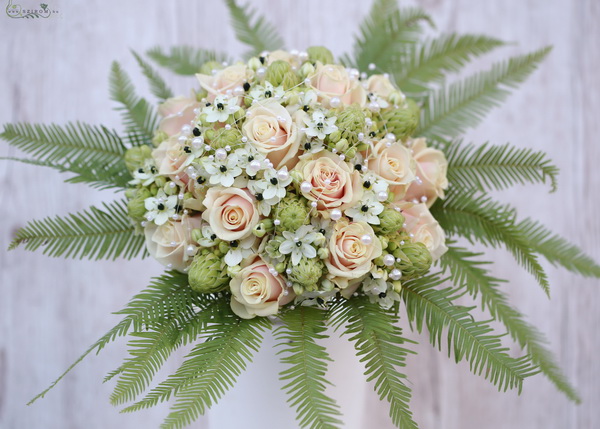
(424, 227)
(432, 167)
(380, 85)
(335, 184)
(170, 159)
(224, 81)
(273, 132)
(349, 257)
(257, 292)
(394, 163)
(230, 212)
(167, 243)
(176, 113)
(330, 81)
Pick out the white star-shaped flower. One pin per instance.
(221, 108)
(274, 183)
(160, 208)
(222, 171)
(244, 248)
(299, 243)
(318, 125)
(209, 238)
(379, 291)
(263, 92)
(145, 175)
(367, 210)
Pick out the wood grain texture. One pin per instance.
(56, 70)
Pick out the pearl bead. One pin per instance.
(372, 66)
(423, 199)
(276, 222)
(395, 274)
(283, 175)
(366, 239)
(382, 196)
(306, 187)
(182, 139)
(303, 56)
(221, 154)
(335, 102)
(228, 148)
(227, 127)
(388, 260)
(388, 144)
(373, 106)
(361, 136)
(186, 129)
(273, 271)
(288, 271)
(180, 196)
(342, 157)
(307, 81)
(255, 165)
(260, 73)
(336, 214)
(390, 136)
(190, 250)
(238, 90)
(172, 185)
(143, 223)
(328, 181)
(313, 204)
(197, 142)
(245, 139)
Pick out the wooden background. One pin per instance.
(55, 70)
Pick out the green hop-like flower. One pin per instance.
(415, 259)
(307, 273)
(224, 137)
(402, 122)
(292, 213)
(209, 66)
(350, 122)
(320, 53)
(207, 273)
(390, 222)
(276, 72)
(290, 80)
(136, 156)
(135, 207)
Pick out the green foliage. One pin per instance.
(158, 86)
(386, 33)
(471, 274)
(93, 234)
(210, 368)
(478, 218)
(167, 295)
(139, 117)
(253, 31)
(184, 60)
(454, 108)
(380, 345)
(488, 167)
(426, 305)
(307, 362)
(428, 62)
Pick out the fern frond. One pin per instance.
(94, 234)
(488, 167)
(209, 369)
(165, 292)
(184, 60)
(253, 31)
(466, 338)
(307, 363)
(477, 217)
(467, 272)
(429, 62)
(158, 86)
(384, 34)
(557, 250)
(453, 109)
(138, 115)
(380, 345)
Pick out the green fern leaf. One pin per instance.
(471, 274)
(429, 62)
(185, 60)
(166, 293)
(386, 33)
(307, 367)
(477, 217)
(253, 31)
(380, 345)
(93, 234)
(158, 86)
(139, 117)
(488, 167)
(453, 109)
(467, 338)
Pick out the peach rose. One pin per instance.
(335, 184)
(350, 258)
(224, 80)
(331, 80)
(171, 160)
(257, 292)
(432, 167)
(425, 228)
(167, 243)
(380, 85)
(274, 133)
(394, 163)
(176, 113)
(230, 212)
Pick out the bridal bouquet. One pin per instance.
(295, 189)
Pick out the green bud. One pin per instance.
(239, 114)
(293, 97)
(397, 98)
(307, 273)
(159, 137)
(292, 212)
(390, 222)
(224, 137)
(306, 70)
(272, 247)
(170, 190)
(415, 260)
(320, 53)
(402, 122)
(350, 153)
(323, 253)
(342, 146)
(361, 147)
(153, 188)
(223, 247)
(207, 273)
(254, 63)
(135, 207)
(384, 242)
(298, 289)
(296, 176)
(210, 134)
(160, 181)
(276, 72)
(130, 193)
(136, 157)
(379, 261)
(197, 235)
(351, 121)
(392, 246)
(233, 271)
(397, 285)
(209, 66)
(335, 136)
(280, 267)
(327, 285)
(263, 227)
